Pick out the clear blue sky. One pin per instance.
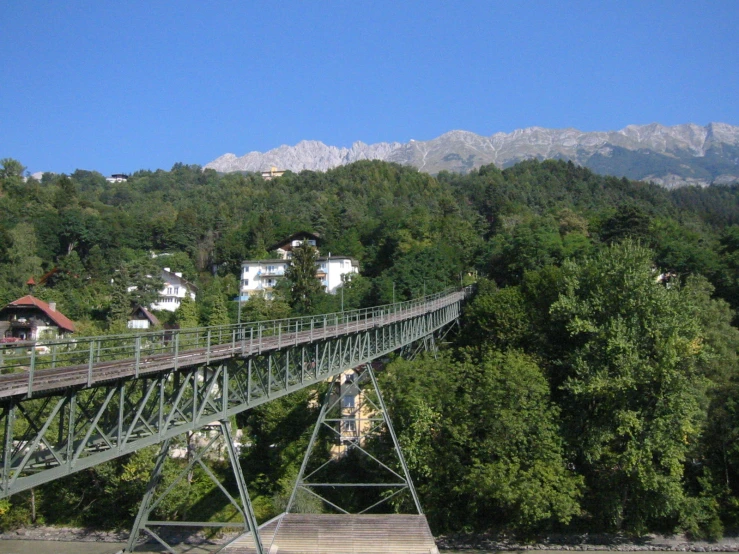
(120, 86)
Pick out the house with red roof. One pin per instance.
(29, 318)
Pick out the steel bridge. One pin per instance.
(68, 405)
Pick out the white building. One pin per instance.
(117, 178)
(174, 290)
(285, 248)
(261, 276)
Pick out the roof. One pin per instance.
(332, 257)
(59, 318)
(267, 261)
(49, 274)
(147, 314)
(287, 261)
(288, 240)
(184, 281)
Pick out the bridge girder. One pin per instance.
(68, 430)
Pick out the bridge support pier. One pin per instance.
(427, 343)
(365, 481)
(354, 413)
(152, 499)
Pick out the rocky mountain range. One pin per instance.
(671, 156)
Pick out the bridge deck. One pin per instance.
(341, 534)
(92, 373)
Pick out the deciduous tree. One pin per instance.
(632, 385)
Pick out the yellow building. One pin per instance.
(272, 173)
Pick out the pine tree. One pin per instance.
(218, 311)
(186, 315)
(120, 306)
(301, 274)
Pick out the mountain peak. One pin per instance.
(675, 150)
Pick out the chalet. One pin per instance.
(29, 318)
(175, 289)
(141, 318)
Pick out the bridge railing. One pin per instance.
(31, 357)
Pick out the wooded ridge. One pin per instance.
(592, 385)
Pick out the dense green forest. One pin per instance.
(591, 386)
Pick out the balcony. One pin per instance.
(276, 272)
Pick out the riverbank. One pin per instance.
(77, 535)
(458, 542)
(64, 534)
(585, 542)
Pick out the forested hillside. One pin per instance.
(592, 385)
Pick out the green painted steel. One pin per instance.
(152, 497)
(81, 403)
(367, 420)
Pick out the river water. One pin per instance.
(59, 547)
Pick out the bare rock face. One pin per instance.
(671, 156)
(307, 154)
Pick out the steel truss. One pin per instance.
(68, 430)
(352, 427)
(153, 497)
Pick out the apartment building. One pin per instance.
(262, 276)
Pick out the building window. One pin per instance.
(169, 290)
(347, 402)
(349, 429)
